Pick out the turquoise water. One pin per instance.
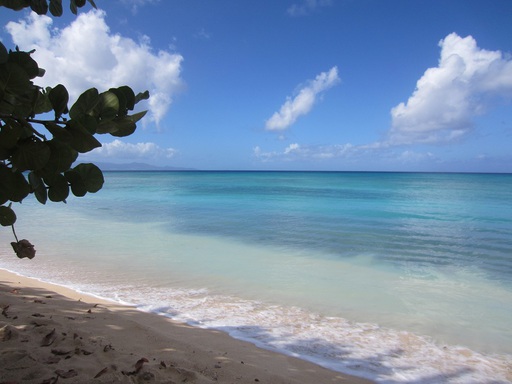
(398, 277)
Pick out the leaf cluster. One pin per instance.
(37, 156)
(41, 7)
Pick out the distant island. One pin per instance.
(137, 167)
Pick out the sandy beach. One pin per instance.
(50, 334)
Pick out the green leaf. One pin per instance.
(31, 156)
(121, 126)
(124, 127)
(85, 103)
(38, 186)
(14, 79)
(13, 185)
(15, 5)
(77, 184)
(10, 133)
(137, 116)
(42, 104)
(142, 96)
(5, 154)
(7, 216)
(59, 189)
(108, 106)
(58, 132)
(126, 99)
(91, 176)
(59, 98)
(85, 178)
(83, 141)
(26, 62)
(56, 8)
(39, 6)
(61, 158)
(73, 7)
(4, 55)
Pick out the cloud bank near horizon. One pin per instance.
(86, 54)
(118, 149)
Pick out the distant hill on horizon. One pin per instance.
(137, 167)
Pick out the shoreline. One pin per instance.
(49, 331)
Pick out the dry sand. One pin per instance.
(51, 334)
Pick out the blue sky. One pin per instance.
(397, 85)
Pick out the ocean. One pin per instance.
(396, 277)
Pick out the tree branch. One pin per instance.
(27, 122)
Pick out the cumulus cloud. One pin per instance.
(87, 54)
(447, 97)
(302, 103)
(121, 150)
(306, 7)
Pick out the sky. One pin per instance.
(315, 85)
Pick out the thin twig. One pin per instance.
(14, 232)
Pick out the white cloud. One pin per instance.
(86, 54)
(302, 103)
(307, 6)
(292, 148)
(449, 96)
(121, 150)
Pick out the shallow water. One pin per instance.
(395, 277)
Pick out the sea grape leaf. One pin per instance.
(82, 140)
(7, 216)
(14, 79)
(26, 62)
(59, 189)
(85, 103)
(4, 55)
(39, 6)
(137, 116)
(15, 5)
(10, 133)
(126, 99)
(91, 176)
(56, 8)
(38, 186)
(142, 96)
(108, 106)
(58, 132)
(61, 158)
(13, 185)
(42, 103)
(31, 155)
(84, 178)
(59, 98)
(124, 127)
